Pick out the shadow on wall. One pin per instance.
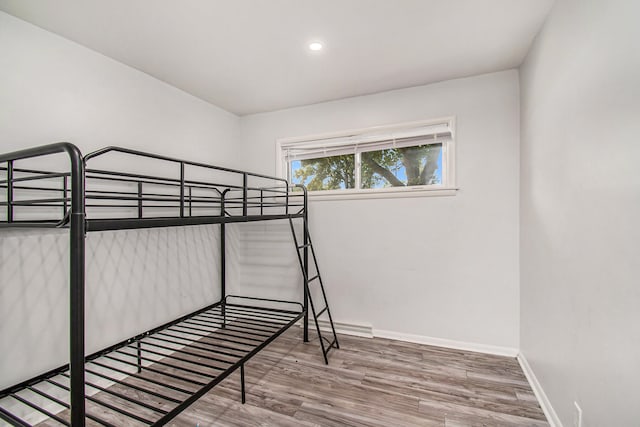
(135, 280)
(33, 302)
(263, 261)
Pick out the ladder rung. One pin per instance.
(306, 245)
(322, 311)
(313, 278)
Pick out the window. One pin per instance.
(400, 158)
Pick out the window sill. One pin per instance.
(382, 193)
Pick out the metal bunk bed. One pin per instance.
(155, 375)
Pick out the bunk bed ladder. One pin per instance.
(303, 250)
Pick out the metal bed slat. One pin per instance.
(133, 386)
(182, 359)
(180, 350)
(11, 418)
(157, 371)
(143, 378)
(109, 406)
(167, 364)
(66, 405)
(121, 396)
(258, 326)
(201, 343)
(225, 327)
(39, 409)
(207, 336)
(223, 332)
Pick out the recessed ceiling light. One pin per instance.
(315, 46)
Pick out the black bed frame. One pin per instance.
(178, 362)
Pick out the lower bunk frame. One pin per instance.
(154, 376)
(148, 358)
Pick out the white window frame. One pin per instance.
(386, 132)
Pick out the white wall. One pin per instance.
(54, 90)
(443, 267)
(580, 204)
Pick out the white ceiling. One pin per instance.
(250, 56)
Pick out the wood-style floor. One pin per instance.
(370, 382)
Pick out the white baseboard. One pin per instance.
(549, 412)
(441, 342)
(354, 329)
(367, 331)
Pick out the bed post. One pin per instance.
(10, 191)
(305, 255)
(77, 270)
(223, 261)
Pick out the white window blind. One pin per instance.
(373, 141)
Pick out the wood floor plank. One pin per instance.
(223, 412)
(464, 415)
(368, 382)
(379, 382)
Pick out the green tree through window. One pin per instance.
(391, 167)
(326, 173)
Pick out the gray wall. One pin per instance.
(580, 204)
(440, 267)
(52, 90)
